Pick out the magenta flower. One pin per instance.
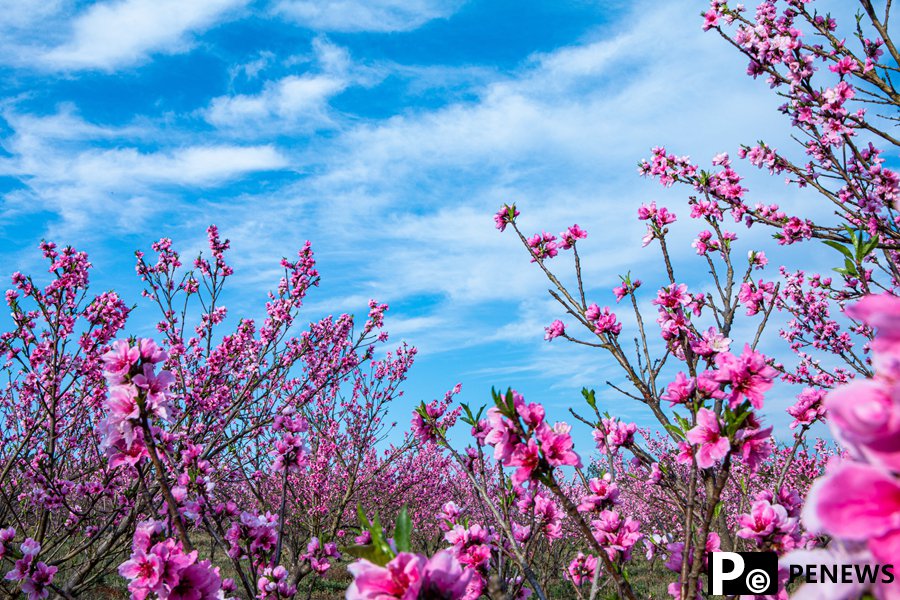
(409, 576)
(199, 581)
(6, 536)
(707, 435)
(749, 376)
(556, 444)
(865, 415)
(685, 454)
(711, 343)
(144, 571)
(119, 361)
(604, 321)
(290, 453)
(150, 352)
(556, 329)
(532, 414)
(680, 390)
(527, 458)
(156, 386)
(543, 246)
(673, 296)
(502, 436)
(618, 434)
(581, 569)
(604, 493)
(765, 520)
(571, 235)
(857, 502)
(883, 313)
(809, 408)
(37, 585)
(444, 578)
(755, 446)
(617, 535)
(503, 218)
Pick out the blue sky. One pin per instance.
(385, 131)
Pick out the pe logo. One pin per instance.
(735, 573)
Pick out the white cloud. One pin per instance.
(124, 32)
(64, 167)
(290, 100)
(365, 15)
(406, 202)
(293, 103)
(200, 166)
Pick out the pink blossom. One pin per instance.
(571, 235)
(604, 494)
(119, 361)
(707, 435)
(809, 408)
(865, 414)
(755, 446)
(444, 578)
(527, 458)
(617, 434)
(400, 578)
(556, 445)
(615, 534)
(749, 376)
(144, 571)
(673, 296)
(712, 342)
(409, 576)
(882, 312)
(503, 217)
(764, 520)
(37, 585)
(543, 246)
(581, 569)
(502, 436)
(857, 502)
(679, 391)
(607, 323)
(549, 515)
(150, 352)
(556, 329)
(532, 414)
(156, 386)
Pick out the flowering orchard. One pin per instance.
(251, 459)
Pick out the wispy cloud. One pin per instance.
(392, 168)
(365, 15)
(56, 160)
(296, 103)
(120, 33)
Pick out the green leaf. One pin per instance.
(403, 531)
(364, 522)
(717, 510)
(840, 248)
(468, 418)
(867, 248)
(674, 430)
(590, 397)
(510, 402)
(684, 423)
(369, 552)
(736, 421)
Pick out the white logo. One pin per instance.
(720, 575)
(758, 581)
